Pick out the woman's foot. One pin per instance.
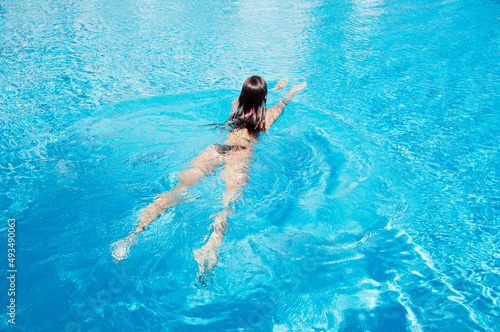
(121, 248)
(206, 257)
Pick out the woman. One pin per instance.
(248, 118)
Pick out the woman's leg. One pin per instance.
(205, 163)
(235, 176)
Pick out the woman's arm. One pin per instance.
(274, 112)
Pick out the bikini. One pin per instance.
(226, 149)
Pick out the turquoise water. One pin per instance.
(372, 205)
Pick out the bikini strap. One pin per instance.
(249, 114)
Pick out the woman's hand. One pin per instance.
(299, 87)
(281, 84)
(292, 91)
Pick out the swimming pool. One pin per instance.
(372, 204)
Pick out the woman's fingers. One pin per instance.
(300, 86)
(281, 84)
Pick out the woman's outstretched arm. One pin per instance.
(273, 113)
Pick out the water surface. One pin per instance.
(372, 204)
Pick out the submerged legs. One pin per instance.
(205, 163)
(235, 176)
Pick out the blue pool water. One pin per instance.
(373, 204)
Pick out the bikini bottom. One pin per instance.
(224, 149)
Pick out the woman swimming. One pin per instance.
(248, 118)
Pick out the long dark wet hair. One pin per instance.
(251, 110)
